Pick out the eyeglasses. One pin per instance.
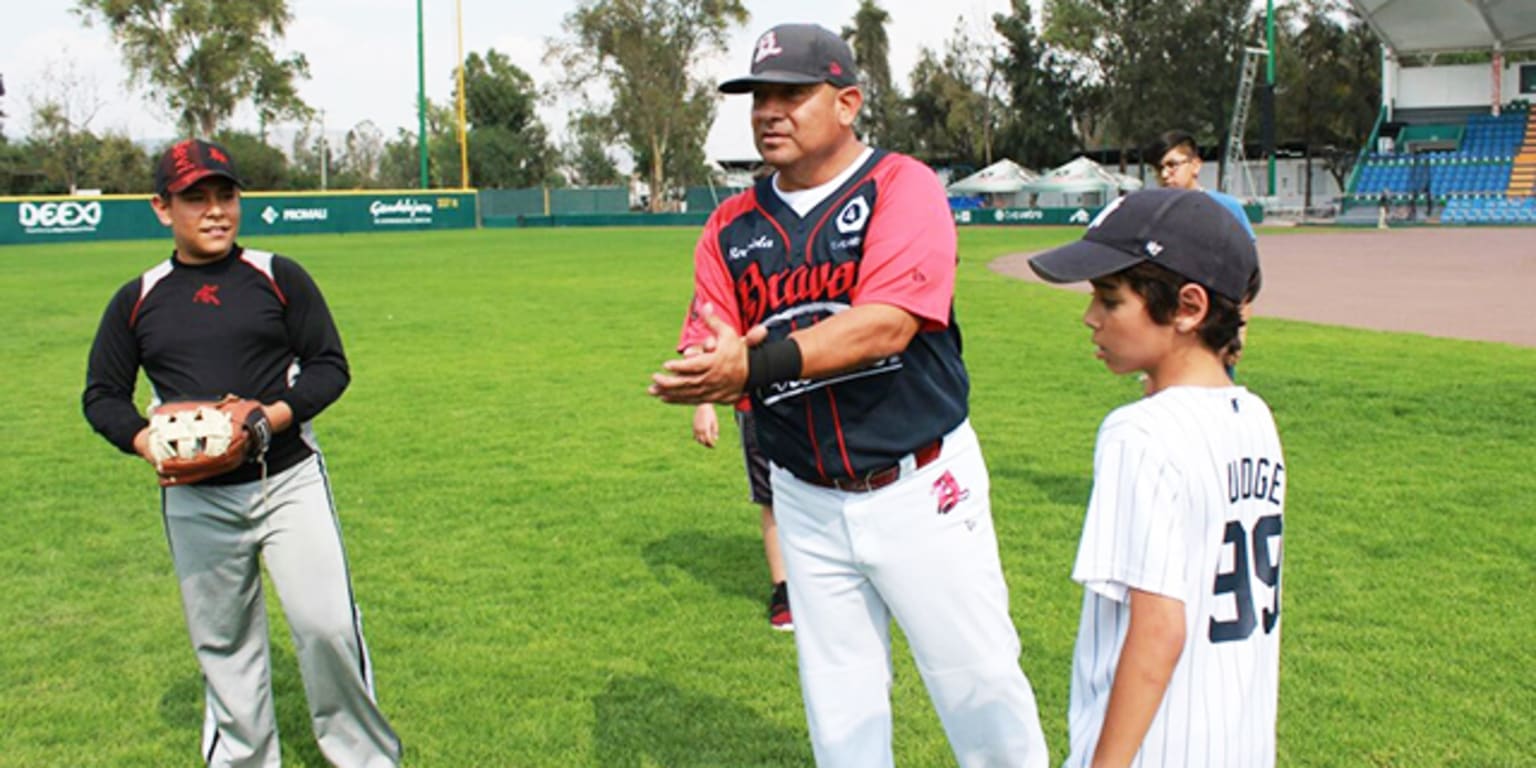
(1170, 165)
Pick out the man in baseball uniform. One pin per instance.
(826, 293)
(1178, 651)
(217, 319)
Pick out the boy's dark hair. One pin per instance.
(1159, 287)
(1168, 140)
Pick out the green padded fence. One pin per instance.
(548, 201)
(1057, 216)
(129, 217)
(694, 219)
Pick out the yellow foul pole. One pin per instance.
(458, 10)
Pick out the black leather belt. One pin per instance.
(876, 479)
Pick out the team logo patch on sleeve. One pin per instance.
(948, 492)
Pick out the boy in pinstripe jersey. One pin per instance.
(1178, 651)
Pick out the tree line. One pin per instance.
(1095, 75)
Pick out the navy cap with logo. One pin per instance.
(798, 54)
(191, 161)
(1185, 231)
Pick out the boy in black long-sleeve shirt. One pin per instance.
(219, 319)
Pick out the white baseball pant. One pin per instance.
(857, 560)
(219, 536)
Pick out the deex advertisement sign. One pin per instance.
(129, 217)
(63, 217)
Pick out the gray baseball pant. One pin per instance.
(219, 536)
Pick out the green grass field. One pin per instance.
(553, 574)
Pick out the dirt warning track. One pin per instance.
(1463, 283)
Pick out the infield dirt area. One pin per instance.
(1473, 283)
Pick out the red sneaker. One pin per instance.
(778, 609)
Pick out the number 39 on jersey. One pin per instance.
(1249, 574)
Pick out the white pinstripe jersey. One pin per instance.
(1188, 498)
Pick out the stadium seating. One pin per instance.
(1489, 210)
(1486, 179)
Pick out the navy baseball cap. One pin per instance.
(191, 161)
(798, 54)
(1185, 231)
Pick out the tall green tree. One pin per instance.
(201, 59)
(1152, 64)
(954, 108)
(1036, 128)
(508, 144)
(646, 52)
(586, 156)
(362, 152)
(1107, 44)
(62, 144)
(261, 165)
(61, 136)
(117, 166)
(879, 119)
(1210, 71)
(1330, 83)
(69, 157)
(399, 166)
(304, 157)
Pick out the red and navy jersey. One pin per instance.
(251, 324)
(884, 236)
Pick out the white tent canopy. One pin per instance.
(1442, 26)
(1082, 175)
(1079, 183)
(1002, 177)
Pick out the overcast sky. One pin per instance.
(362, 56)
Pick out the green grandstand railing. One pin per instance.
(1354, 173)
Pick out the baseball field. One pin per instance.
(552, 573)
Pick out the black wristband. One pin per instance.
(260, 435)
(772, 363)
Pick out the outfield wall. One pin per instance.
(1059, 216)
(128, 217)
(599, 220)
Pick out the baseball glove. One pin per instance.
(195, 440)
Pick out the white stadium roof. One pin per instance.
(1444, 26)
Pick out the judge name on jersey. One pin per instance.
(1255, 479)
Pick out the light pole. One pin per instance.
(1269, 92)
(421, 95)
(325, 152)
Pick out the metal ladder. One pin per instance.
(1232, 163)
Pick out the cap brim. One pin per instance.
(182, 184)
(769, 77)
(1082, 260)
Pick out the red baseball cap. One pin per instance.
(191, 161)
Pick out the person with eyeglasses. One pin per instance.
(1178, 167)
